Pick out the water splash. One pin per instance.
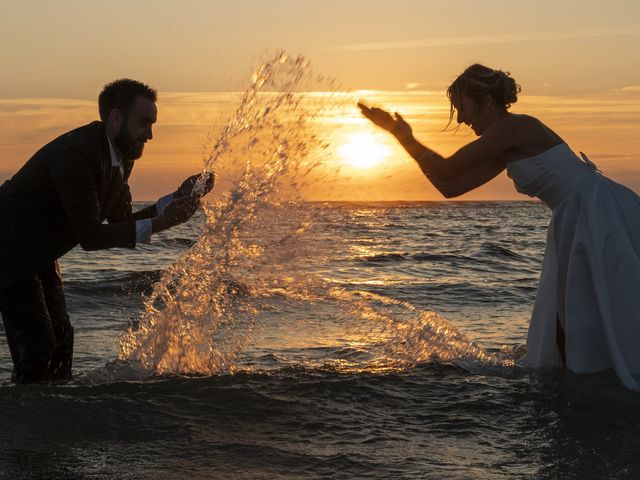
(277, 90)
(259, 248)
(200, 314)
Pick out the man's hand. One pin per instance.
(394, 124)
(177, 212)
(204, 182)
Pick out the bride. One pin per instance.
(586, 316)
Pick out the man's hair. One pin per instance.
(121, 94)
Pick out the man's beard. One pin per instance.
(127, 145)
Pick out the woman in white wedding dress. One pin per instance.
(586, 315)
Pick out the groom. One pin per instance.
(60, 198)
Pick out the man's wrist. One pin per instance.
(162, 203)
(143, 230)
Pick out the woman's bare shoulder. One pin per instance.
(517, 125)
(531, 137)
(533, 127)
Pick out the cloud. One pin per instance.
(627, 89)
(486, 39)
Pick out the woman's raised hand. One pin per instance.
(394, 124)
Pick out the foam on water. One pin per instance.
(257, 248)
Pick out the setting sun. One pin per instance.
(363, 150)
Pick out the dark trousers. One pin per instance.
(37, 326)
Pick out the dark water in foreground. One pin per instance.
(308, 399)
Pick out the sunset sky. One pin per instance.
(578, 63)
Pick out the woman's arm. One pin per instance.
(470, 167)
(469, 181)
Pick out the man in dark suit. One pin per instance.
(60, 198)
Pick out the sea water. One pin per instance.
(272, 337)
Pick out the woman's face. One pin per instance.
(471, 113)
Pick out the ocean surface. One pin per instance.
(383, 343)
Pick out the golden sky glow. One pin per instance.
(363, 150)
(577, 62)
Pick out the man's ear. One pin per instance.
(115, 118)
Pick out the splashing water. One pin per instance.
(199, 315)
(258, 246)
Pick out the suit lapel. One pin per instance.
(112, 182)
(114, 192)
(128, 166)
(104, 185)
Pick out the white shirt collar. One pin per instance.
(115, 160)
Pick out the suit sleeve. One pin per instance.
(123, 211)
(147, 212)
(74, 179)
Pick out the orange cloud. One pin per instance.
(604, 126)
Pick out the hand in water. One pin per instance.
(177, 212)
(394, 124)
(186, 189)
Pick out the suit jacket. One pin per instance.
(60, 198)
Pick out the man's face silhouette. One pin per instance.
(136, 128)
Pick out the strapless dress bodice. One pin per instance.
(553, 175)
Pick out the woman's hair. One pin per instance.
(477, 82)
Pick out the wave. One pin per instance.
(116, 282)
(502, 252)
(416, 257)
(180, 242)
(328, 365)
(489, 253)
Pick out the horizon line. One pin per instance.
(361, 91)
